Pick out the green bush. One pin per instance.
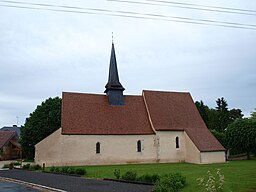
(11, 166)
(6, 166)
(170, 183)
(220, 136)
(117, 173)
(16, 163)
(64, 169)
(80, 171)
(130, 176)
(35, 167)
(26, 166)
(56, 169)
(149, 178)
(52, 169)
(68, 170)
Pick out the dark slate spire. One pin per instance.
(114, 88)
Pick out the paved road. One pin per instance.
(73, 184)
(13, 187)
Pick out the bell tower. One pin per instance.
(114, 88)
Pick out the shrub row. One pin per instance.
(166, 183)
(149, 178)
(25, 166)
(6, 166)
(11, 165)
(132, 176)
(32, 167)
(68, 170)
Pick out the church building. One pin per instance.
(155, 127)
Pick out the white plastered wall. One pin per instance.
(167, 151)
(59, 149)
(213, 157)
(192, 154)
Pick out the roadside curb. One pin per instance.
(32, 185)
(59, 173)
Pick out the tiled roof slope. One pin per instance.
(92, 114)
(6, 136)
(177, 111)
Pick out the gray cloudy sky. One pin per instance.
(43, 53)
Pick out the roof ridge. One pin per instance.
(164, 91)
(79, 93)
(96, 94)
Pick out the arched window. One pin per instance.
(177, 142)
(98, 147)
(138, 146)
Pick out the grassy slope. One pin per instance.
(240, 176)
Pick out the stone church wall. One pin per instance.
(60, 149)
(63, 150)
(168, 151)
(213, 157)
(192, 154)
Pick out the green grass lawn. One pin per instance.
(240, 176)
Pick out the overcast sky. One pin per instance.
(43, 53)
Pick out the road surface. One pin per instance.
(71, 183)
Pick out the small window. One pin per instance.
(177, 142)
(138, 146)
(98, 147)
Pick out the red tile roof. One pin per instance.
(92, 114)
(177, 111)
(6, 136)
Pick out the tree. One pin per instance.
(241, 135)
(203, 110)
(222, 114)
(222, 104)
(253, 115)
(41, 123)
(213, 120)
(220, 136)
(219, 117)
(235, 114)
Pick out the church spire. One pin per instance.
(114, 88)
